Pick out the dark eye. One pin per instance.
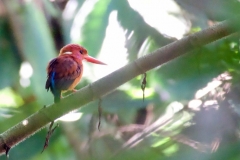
(81, 51)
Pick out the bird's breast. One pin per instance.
(77, 80)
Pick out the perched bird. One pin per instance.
(65, 71)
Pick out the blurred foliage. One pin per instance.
(169, 124)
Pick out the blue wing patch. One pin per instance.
(52, 80)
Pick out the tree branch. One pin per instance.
(107, 84)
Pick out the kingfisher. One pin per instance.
(65, 71)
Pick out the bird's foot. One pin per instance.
(74, 90)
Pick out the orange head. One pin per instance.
(79, 52)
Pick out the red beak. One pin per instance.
(93, 60)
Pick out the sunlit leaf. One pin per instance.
(137, 31)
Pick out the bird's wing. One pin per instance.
(62, 72)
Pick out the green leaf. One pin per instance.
(94, 28)
(35, 43)
(10, 60)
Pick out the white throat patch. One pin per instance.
(67, 53)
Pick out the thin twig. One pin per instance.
(143, 86)
(49, 134)
(99, 113)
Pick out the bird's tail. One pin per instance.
(57, 96)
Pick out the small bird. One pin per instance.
(65, 71)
